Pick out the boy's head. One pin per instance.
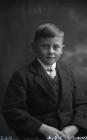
(48, 43)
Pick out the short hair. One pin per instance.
(47, 30)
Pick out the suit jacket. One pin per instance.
(31, 101)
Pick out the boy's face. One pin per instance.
(49, 49)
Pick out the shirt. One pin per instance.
(50, 70)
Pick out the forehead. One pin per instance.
(51, 40)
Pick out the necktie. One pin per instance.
(51, 72)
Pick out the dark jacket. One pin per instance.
(31, 101)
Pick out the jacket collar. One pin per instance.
(42, 79)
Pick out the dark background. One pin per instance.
(18, 21)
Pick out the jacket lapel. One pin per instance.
(42, 79)
(65, 85)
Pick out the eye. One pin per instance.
(56, 47)
(45, 46)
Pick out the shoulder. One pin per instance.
(69, 71)
(66, 67)
(25, 69)
(22, 73)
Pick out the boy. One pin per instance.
(42, 99)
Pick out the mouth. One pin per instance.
(50, 57)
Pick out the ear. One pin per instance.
(33, 45)
(63, 46)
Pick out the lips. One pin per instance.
(50, 57)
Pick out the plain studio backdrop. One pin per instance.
(18, 21)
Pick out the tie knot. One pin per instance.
(51, 72)
(50, 69)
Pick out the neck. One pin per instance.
(53, 66)
(44, 63)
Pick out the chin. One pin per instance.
(50, 63)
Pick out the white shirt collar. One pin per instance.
(53, 66)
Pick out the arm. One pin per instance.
(15, 109)
(79, 101)
(79, 105)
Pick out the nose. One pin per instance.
(51, 50)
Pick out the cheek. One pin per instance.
(42, 53)
(59, 52)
